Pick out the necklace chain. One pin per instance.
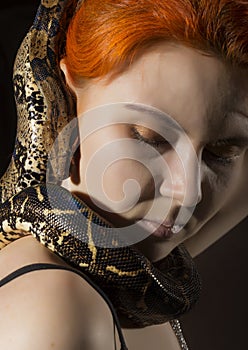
(175, 324)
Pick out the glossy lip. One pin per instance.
(166, 229)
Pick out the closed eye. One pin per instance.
(148, 136)
(226, 151)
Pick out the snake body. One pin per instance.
(142, 293)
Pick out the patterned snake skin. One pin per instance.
(142, 293)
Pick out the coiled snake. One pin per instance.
(142, 292)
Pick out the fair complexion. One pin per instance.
(195, 90)
(208, 100)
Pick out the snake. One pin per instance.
(143, 293)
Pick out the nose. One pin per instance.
(182, 178)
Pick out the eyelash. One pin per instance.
(223, 161)
(154, 143)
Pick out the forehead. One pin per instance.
(187, 84)
(185, 75)
(184, 80)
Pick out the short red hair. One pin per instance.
(105, 36)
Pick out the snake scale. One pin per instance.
(142, 293)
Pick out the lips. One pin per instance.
(165, 230)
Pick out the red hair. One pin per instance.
(105, 36)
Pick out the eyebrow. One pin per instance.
(154, 112)
(241, 141)
(238, 113)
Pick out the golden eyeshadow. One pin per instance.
(146, 133)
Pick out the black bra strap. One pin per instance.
(44, 266)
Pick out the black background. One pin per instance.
(218, 321)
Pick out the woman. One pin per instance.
(172, 63)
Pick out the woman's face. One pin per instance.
(136, 165)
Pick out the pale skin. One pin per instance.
(197, 91)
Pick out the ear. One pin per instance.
(68, 79)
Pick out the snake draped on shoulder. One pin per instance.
(143, 293)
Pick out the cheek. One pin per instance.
(219, 186)
(119, 185)
(127, 182)
(111, 173)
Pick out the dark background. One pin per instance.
(218, 321)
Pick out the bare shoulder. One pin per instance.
(50, 309)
